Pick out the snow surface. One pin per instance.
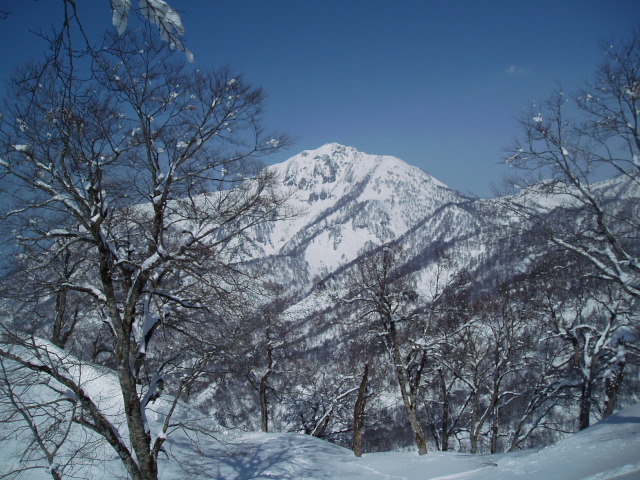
(607, 450)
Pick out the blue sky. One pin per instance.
(436, 83)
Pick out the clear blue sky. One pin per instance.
(436, 83)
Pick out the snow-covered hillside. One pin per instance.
(309, 348)
(348, 201)
(608, 450)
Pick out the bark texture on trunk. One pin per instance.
(358, 413)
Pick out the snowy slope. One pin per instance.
(348, 201)
(607, 450)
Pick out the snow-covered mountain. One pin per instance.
(348, 202)
(350, 205)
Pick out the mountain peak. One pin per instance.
(350, 201)
(331, 149)
(332, 166)
(334, 162)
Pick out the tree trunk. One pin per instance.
(408, 399)
(418, 434)
(473, 426)
(358, 413)
(264, 405)
(138, 433)
(585, 404)
(445, 413)
(494, 431)
(61, 307)
(611, 386)
(54, 473)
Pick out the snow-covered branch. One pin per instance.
(157, 12)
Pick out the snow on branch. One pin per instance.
(90, 289)
(158, 12)
(120, 14)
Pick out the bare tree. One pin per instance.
(447, 313)
(537, 386)
(446, 397)
(591, 330)
(48, 423)
(39, 282)
(496, 348)
(388, 301)
(149, 169)
(359, 351)
(576, 143)
(320, 401)
(587, 148)
(267, 349)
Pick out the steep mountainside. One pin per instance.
(350, 203)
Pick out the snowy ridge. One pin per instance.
(349, 201)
